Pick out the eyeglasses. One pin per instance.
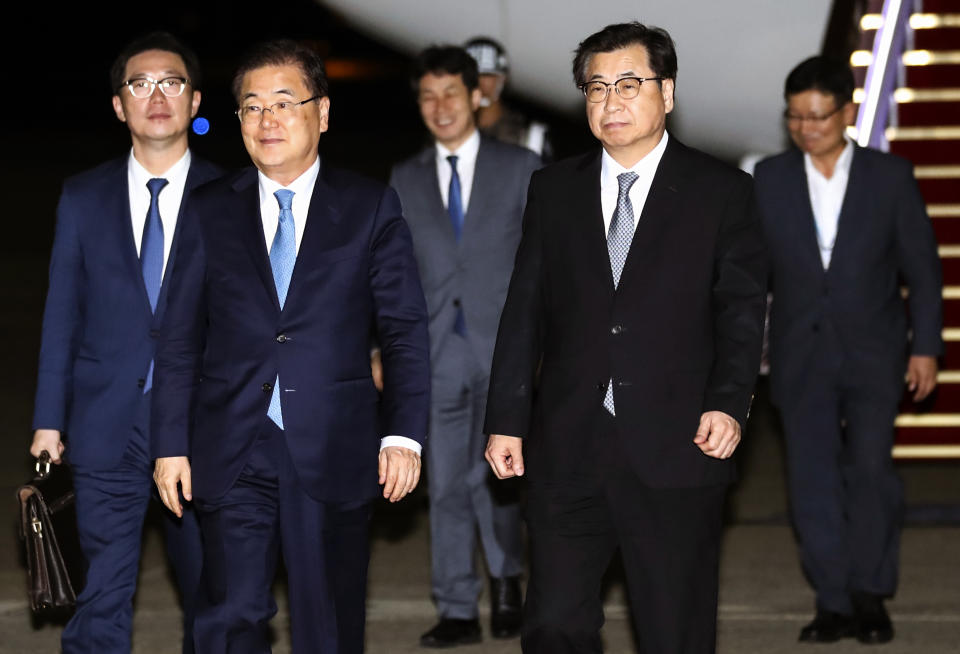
(143, 87)
(812, 118)
(252, 114)
(627, 88)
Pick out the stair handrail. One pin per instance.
(888, 45)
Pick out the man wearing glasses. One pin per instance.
(116, 237)
(844, 225)
(266, 411)
(625, 360)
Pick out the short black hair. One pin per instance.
(284, 52)
(825, 74)
(661, 53)
(155, 41)
(445, 60)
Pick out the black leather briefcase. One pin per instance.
(50, 494)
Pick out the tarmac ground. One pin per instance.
(764, 600)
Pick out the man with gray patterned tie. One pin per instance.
(625, 360)
(463, 198)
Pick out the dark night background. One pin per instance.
(67, 124)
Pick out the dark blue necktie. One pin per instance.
(151, 255)
(455, 209)
(283, 256)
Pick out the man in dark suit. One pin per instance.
(626, 359)
(263, 370)
(117, 232)
(463, 198)
(843, 226)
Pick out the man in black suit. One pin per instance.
(626, 359)
(843, 225)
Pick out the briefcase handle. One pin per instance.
(43, 465)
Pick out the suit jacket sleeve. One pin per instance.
(401, 323)
(920, 265)
(518, 349)
(180, 345)
(739, 301)
(61, 321)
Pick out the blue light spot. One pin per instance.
(201, 126)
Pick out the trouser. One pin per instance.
(111, 505)
(465, 499)
(846, 498)
(669, 541)
(324, 545)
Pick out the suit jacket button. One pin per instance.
(141, 383)
(266, 388)
(282, 338)
(616, 330)
(456, 303)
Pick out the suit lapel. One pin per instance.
(588, 229)
(431, 192)
(322, 217)
(482, 190)
(659, 209)
(249, 224)
(854, 196)
(121, 229)
(803, 225)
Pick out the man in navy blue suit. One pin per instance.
(117, 232)
(266, 413)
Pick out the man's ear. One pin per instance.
(323, 106)
(118, 109)
(666, 89)
(195, 104)
(475, 97)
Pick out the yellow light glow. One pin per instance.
(926, 451)
(860, 58)
(924, 21)
(948, 377)
(949, 251)
(951, 334)
(852, 132)
(917, 58)
(941, 133)
(936, 172)
(871, 22)
(944, 211)
(903, 96)
(859, 95)
(928, 420)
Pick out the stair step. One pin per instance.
(927, 113)
(947, 231)
(919, 151)
(944, 189)
(926, 443)
(945, 399)
(951, 352)
(933, 76)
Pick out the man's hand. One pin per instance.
(49, 440)
(399, 472)
(167, 472)
(921, 376)
(718, 434)
(376, 369)
(505, 455)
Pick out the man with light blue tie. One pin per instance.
(117, 233)
(265, 411)
(463, 197)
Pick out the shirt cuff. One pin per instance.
(400, 441)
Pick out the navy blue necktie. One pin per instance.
(151, 255)
(455, 209)
(283, 256)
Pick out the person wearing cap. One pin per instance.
(463, 197)
(494, 118)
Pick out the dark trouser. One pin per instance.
(466, 500)
(111, 505)
(324, 545)
(668, 538)
(845, 495)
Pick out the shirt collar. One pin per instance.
(645, 168)
(467, 152)
(174, 173)
(844, 161)
(302, 186)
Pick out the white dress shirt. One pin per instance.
(826, 199)
(168, 199)
(646, 168)
(302, 188)
(466, 164)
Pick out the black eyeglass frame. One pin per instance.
(615, 85)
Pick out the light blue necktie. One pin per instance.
(283, 256)
(619, 237)
(455, 209)
(151, 255)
